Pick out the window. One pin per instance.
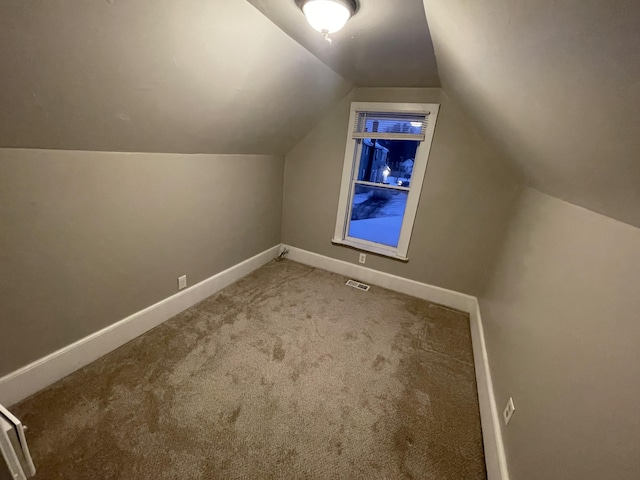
(384, 166)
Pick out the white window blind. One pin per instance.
(391, 125)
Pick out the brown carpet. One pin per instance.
(288, 373)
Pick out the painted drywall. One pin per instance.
(553, 85)
(88, 238)
(380, 46)
(561, 317)
(194, 76)
(463, 206)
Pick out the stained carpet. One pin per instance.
(285, 374)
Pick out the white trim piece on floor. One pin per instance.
(43, 372)
(490, 418)
(442, 296)
(495, 458)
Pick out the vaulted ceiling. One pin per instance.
(555, 86)
(386, 44)
(190, 76)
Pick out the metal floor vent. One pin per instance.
(358, 285)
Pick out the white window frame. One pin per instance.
(351, 165)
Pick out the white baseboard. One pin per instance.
(48, 370)
(449, 298)
(489, 415)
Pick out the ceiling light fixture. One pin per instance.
(328, 16)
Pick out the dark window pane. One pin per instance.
(377, 213)
(387, 161)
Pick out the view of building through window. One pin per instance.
(377, 211)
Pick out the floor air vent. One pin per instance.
(358, 285)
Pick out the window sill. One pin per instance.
(385, 252)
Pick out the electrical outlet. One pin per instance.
(363, 258)
(182, 282)
(508, 411)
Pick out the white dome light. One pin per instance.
(326, 16)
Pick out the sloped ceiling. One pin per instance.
(385, 44)
(556, 86)
(189, 76)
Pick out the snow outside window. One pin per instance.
(385, 163)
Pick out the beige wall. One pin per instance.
(87, 238)
(463, 206)
(561, 314)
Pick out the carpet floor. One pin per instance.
(288, 374)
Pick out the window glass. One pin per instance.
(387, 161)
(377, 213)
